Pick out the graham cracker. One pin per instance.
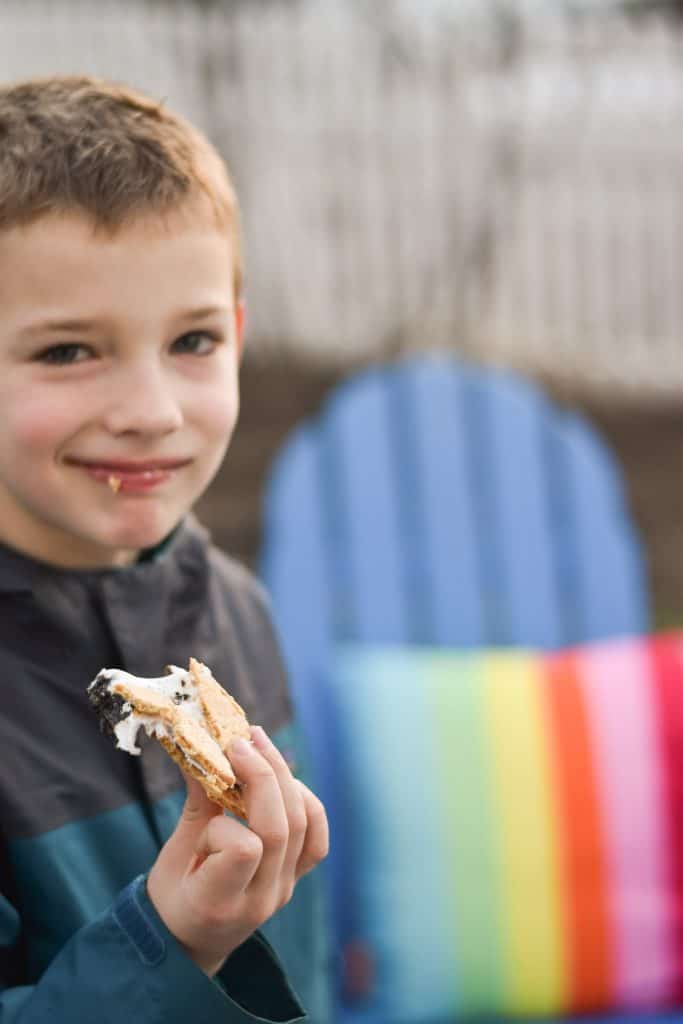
(231, 799)
(146, 701)
(225, 719)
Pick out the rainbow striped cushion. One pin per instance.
(513, 841)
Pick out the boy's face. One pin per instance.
(119, 363)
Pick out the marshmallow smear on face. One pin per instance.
(188, 712)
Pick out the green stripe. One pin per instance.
(457, 695)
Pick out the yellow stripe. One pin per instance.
(535, 977)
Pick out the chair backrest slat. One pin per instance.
(366, 537)
(295, 563)
(439, 511)
(606, 591)
(509, 423)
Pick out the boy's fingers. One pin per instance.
(292, 799)
(265, 808)
(228, 855)
(317, 841)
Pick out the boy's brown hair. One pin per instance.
(80, 144)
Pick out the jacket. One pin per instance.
(82, 822)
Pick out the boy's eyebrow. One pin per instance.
(205, 311)
(56, 325)
(78, 326)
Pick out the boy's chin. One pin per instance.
(135, 540)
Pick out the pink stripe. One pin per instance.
(621, 712)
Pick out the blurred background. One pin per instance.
(500, 178)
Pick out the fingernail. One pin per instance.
(259, 736)
(242, 748)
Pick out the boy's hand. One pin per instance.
(216, 881)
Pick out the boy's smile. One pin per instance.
(131, 477)
(119, 358)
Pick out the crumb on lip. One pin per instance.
(114, 482)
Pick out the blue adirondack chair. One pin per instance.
(433, 502)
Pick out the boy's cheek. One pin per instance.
(220, 411)
(37, 425)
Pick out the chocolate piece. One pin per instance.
(111, 707)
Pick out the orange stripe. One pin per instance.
(582, 848)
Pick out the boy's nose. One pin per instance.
(144, 403)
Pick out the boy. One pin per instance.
(120, 338)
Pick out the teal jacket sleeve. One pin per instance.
(126, 966)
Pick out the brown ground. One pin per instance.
(647, 441)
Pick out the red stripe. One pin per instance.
(582, 854)
(666, 653)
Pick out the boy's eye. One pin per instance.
(197, 343)
(62, 355)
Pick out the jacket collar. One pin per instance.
(19, 572)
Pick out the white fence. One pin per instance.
(510, 187)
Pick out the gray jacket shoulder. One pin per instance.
(239, 578)
(242, 607)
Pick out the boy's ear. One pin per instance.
(240, 317)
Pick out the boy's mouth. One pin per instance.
(131, 477)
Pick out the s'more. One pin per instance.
(188, 712)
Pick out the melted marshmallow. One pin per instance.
(178, 685)
(178, 682)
